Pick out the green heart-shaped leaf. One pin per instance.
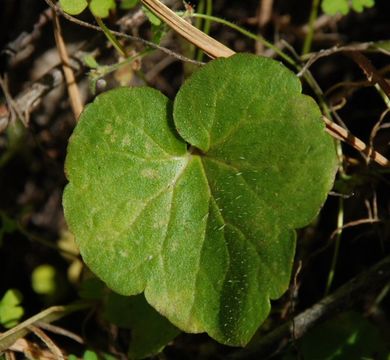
(101, 8)
(73, 7)
(203, 222)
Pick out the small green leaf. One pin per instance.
(10, 309)
(332, 7)
(150, 331)
(102, 8)
(202, 222)
(43, 280)
(359, 5)
(73, 7)
(90, 355)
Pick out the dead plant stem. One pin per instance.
(70, 79)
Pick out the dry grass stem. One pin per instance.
(341, 134)
(210, 46)
(73, 90)
(48, 342)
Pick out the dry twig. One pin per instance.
(48, 315)
(264, 15)
(60, 331)
(209, 45)
(337, 49)
(344, 135)
(48, 342)
(13, 109)
(70, 79)
(22, 46)
(372, 74)
(29, 99)
(354, 223)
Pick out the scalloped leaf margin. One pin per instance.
(195, 203)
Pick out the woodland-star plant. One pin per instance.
(196, 202)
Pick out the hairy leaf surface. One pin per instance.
(198, 209)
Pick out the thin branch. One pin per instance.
(51, 314)
(73, 90)
(367, 46)
(264, 16)
(344, 135)
(13, 109)
(29, 99)
(49, 342)
(23, 45)
(378, 126)
(372, 74)
(60, 331)
(348, 87)
(264, 13)
(353, 224)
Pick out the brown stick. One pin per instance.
(341, 134)
(372, 74)
(73, 90)
(265, 12)
(30, 98)
(49, 342)
(210, 46)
